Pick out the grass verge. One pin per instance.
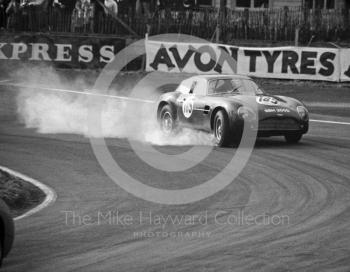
(18, 194)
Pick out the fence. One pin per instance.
(207, 23)
(267, 24)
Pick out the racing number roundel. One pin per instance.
(267, 100)
(187, 107)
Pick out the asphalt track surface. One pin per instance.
(308, 182)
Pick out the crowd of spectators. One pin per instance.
(46, 15)
(29, 14)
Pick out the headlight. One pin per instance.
(246, 113)
(303, 113)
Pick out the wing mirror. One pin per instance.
(193, 86)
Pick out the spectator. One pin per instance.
(123, 6)
(99, 15)
(23, 14)
(60, 15)
(163, 8)
(111, 8)
(83, 16)
(89, 14)
(77, 17)
(23, 3)
(168, 4)
(145, 5)
(12, 14)
(131, 8)
(138, 9)
(68, 5)
(2, 14)
(188, 4)
(57, 4)
(153, 4)
(43, 13)
(37, 10)
(56, 18)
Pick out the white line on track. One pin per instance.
(81, 92)
(88, 92)
(327, 104)
(330, 122)
(50, 193)
(5, 80)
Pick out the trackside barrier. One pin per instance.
(94, 51)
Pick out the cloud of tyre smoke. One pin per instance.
(49, 111)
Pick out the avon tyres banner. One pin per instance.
(64, 51)
(345, 64)
(308, 63)
(200, 58)
(290, 63)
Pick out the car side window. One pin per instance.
(211, 86)
(223, 86)
(251, 86)
(237, 86)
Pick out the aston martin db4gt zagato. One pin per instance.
(220, 105)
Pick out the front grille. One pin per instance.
(279, 124)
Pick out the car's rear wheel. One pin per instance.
(167, 119)
(1, 251)
(293, 138)
(221, 129)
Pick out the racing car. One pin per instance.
(218, 104)
(6, 231)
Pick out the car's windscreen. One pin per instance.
(234, 86)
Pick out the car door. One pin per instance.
(191, 110)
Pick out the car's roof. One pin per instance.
(208, 77)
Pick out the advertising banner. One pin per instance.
(290, 63)
(203, 58)
(63, 51)
(345, 64)
(302, 63)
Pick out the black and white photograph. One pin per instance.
(175, 135)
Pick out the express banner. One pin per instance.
(63, 51)
(305, 63)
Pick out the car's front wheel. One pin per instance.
(221, 129)
(293, 138)
(167, 119)
(1, 249)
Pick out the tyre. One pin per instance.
(167, 120)
(293, 138)
(221, 129)
(1, 252)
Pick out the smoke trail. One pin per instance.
(52, 112)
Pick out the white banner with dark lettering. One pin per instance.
(204, 58)
(307, 63)
(64, 51)
(345, 64)
(290, 63)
